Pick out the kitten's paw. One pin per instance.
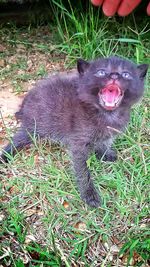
(91, 197)
(110, 155)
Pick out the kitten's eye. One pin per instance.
(126, 75)
(100, 73)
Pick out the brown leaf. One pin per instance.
(36, 159)
(30, 212)
(13, 189)
(136, 257)
(80, 226)
(2, 63)
(115, 240)
(66, 204)
(29, 239)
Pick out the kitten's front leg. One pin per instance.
(85, 184)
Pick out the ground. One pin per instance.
(43, 221)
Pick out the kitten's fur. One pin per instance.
(67, 109)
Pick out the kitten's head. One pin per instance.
(110, 82)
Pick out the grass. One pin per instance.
(90, 35)
(43, 221)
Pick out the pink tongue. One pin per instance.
(110, 94)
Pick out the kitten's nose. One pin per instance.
(114, 75)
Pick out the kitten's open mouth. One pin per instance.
(110, 96)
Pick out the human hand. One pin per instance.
(122, 7)
(148, 9)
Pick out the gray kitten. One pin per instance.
(80, 111)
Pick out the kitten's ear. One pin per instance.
(82, 66)
(142, 70)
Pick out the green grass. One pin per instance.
(90, 34)
(43, 221)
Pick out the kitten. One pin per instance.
(80, 111)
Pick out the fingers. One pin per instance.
(110, 7)
(97, 2)
(127, 6)
(122, 7)
(148, 9)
